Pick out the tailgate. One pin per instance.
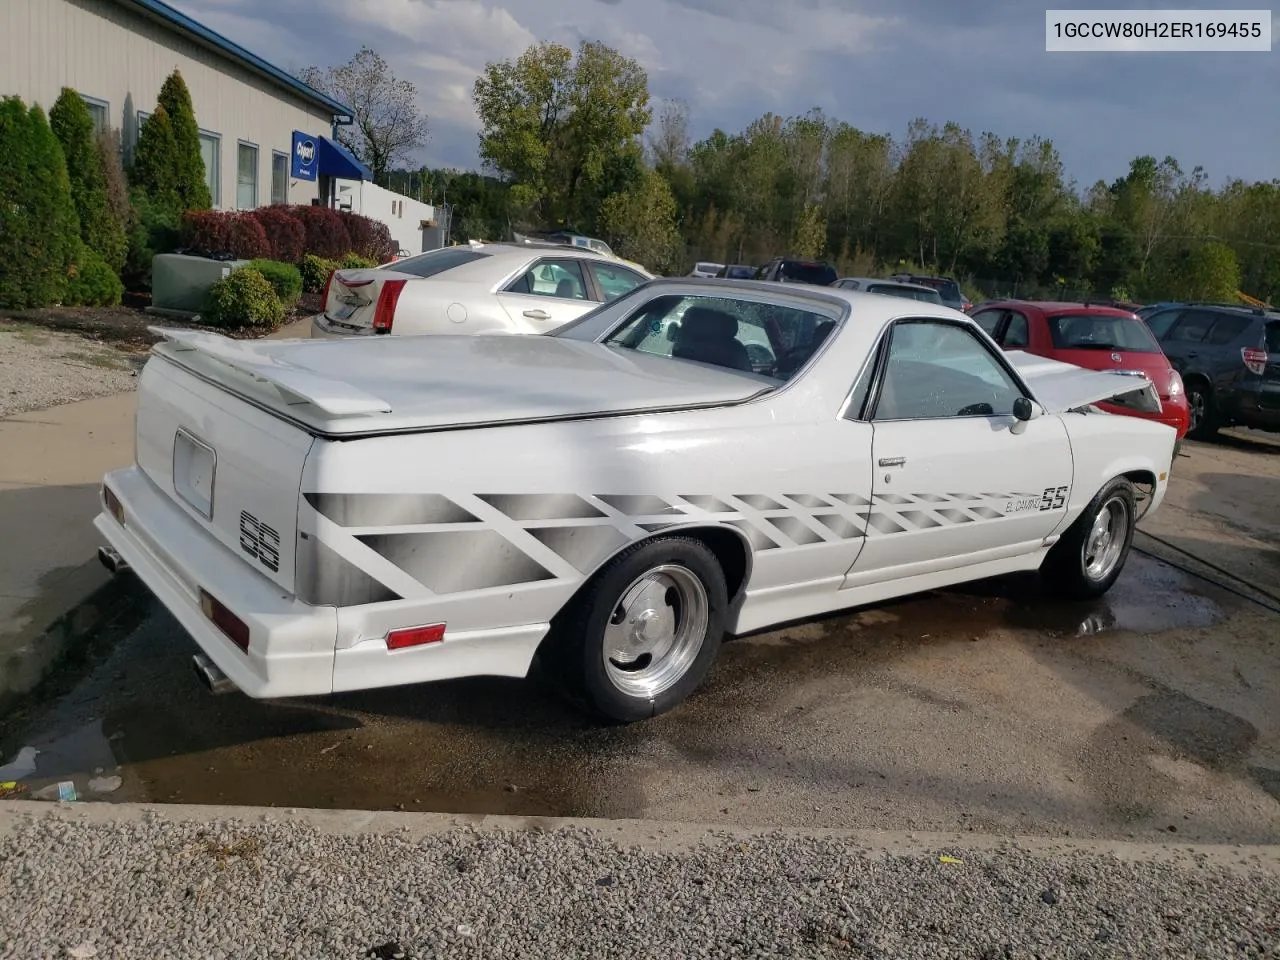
(231, 467)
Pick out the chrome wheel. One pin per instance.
(1105, 542)
(1196, 405)
(655, 631)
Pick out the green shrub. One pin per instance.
(244, 299)
(284, 278)
(155, 164)
(353, 261)
(155, 229)
(189, 173)
(315, 271)
(93, 283)
(100, 229)
(39, 230)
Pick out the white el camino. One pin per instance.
(693, 459)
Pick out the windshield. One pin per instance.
(798, 271)
(894, 290)
(765, 339)
(437, 261)
(1092, 332)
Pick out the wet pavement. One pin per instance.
(987, 708)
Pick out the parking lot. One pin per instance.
(986, 708)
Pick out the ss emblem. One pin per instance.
(259, 541)
(1053, 498)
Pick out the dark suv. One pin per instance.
(789, 270)
(947, 288)
(1229, 359)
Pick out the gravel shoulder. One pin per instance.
(41, 368)
(136, 882)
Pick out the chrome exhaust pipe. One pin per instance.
(112, 560)
(214, 680)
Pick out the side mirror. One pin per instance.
(1022, 409)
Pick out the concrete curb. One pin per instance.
(61, 626)
(644, 834)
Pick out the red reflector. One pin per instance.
(113, 504)
(385, 313)
(415, 636)
(226, 621)
(1254, 359)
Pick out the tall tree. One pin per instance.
(155, 164)
(562, 127)
(388, 124)
(101, 229)
(188, 174)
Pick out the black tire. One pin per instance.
(575, 654)
(1205, 421)
(1066, 569)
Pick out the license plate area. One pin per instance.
(194, 467)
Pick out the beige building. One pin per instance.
(265, 135)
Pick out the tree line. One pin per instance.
(571, 139)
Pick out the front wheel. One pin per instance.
(1089, 557)
(642, 634)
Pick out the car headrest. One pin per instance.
(703, 323)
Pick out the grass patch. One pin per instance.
(96, 360)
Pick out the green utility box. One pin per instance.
(179, 283)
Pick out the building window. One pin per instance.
(100, 110)
(246, 176)
(211, 154)
(279, 177)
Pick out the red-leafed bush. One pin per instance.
(248, 239)
(369, 238)
(285, 233)
(326, 233)
(207, 231)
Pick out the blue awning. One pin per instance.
(335, 160)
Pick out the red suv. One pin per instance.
(1094, 337)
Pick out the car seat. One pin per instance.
(710, 336)
(567, 289)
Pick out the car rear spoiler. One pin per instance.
(296, 386)
(1060, 387)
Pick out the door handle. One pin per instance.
(892, 461)
(537, 314)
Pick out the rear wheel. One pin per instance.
(1204, 418)
(642, 634)
(1089, 557)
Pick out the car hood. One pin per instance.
(1060, 387)
(362, 385)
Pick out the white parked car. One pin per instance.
(706, 268)
(474, 288)
(694, 459)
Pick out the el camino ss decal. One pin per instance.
(1053, 498)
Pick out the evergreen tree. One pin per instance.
(189, 172)
(39, 232)
(155, 164)
(100, 229)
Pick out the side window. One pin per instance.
(1160, 323)
(988, 320)
(939, 370)
(1016, 334)
(614, 281)
(552, 278)
(1227, 329)
(1271, 337)
(1192, 327)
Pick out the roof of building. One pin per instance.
(169, 17)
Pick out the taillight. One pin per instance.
(1175, 383)
(237, 630)
(113, 504)
(1255, 360)
(324, 294)
(385, 313)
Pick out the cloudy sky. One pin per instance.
(873, 63)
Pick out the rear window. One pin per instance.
(797, 271)
(435, 262)
(947, 289)
(740, 273)
(894, 290)
(1089, 332)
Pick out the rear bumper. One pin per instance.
(291, 644)
(294, 647)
